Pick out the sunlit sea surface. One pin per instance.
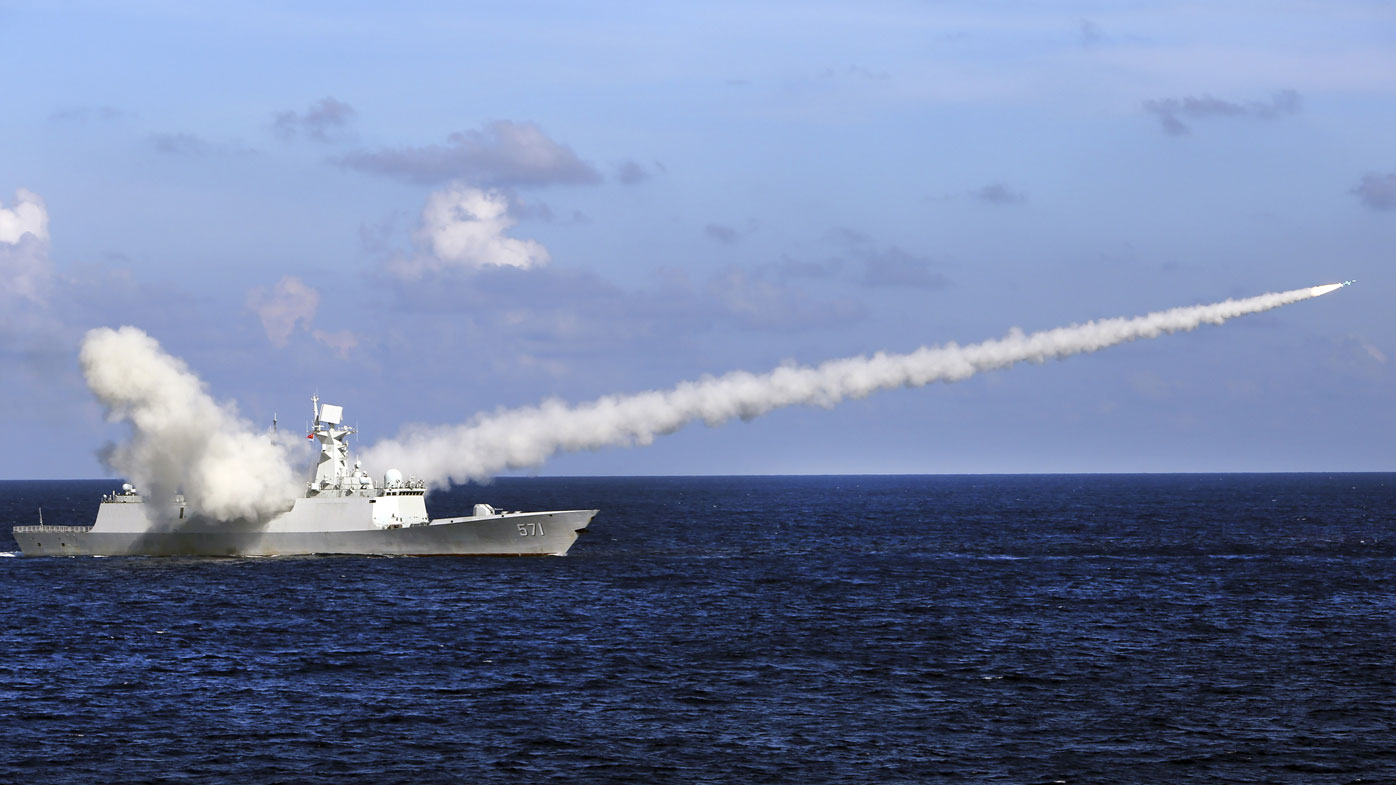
(1017, 629)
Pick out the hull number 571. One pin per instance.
(530, 529)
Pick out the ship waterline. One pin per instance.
(507, 534)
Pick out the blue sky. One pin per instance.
(427, 212)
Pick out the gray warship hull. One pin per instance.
(508, 534)
(342, 512)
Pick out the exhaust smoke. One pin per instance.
(183, 441)
(526, 437)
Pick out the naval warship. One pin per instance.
(343, 511)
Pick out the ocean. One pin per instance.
(911, 629)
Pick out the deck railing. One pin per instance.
(51, 529)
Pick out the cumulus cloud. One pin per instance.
(463, 228)
(1171, 112)
(501, 154)
(27, 217)
(324, 121)
(285, 305)
(1377, 191)
(24, 246)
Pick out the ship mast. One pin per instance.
(333, 467)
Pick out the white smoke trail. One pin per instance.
(526, 437)
(182, 440)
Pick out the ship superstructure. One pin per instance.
(343, 511)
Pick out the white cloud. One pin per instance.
(464, 228)
(289, 302)
(27, 217)
(24, 265)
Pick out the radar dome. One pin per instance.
(392, 478)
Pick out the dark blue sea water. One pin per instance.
(1018, 629)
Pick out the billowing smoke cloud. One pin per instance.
(182, 440)
(526, 437)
